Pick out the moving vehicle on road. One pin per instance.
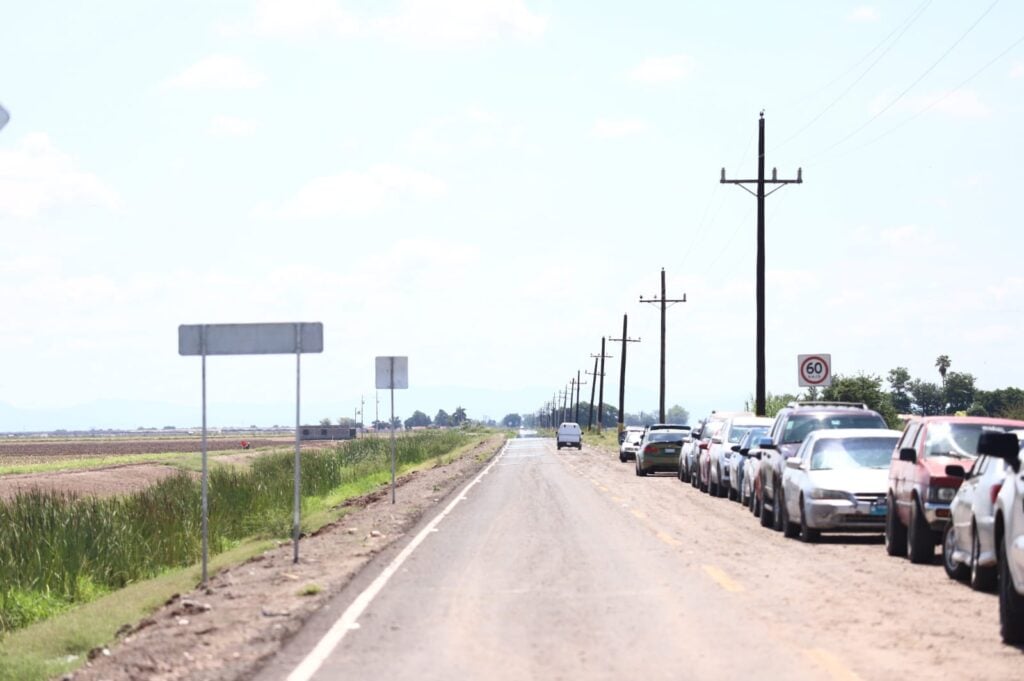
(920, 487)
(719, 452)
(792, 424)
(837, 481)
(630, 443)
(659, 450)
(569, 435)
(969, 543)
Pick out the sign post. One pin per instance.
(251, 339)
(392, 374)
(815, 371)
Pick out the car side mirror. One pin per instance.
(756, 455)
(766, 443)
(1005, 446)
(735, 448)
(716, 440)
(793, 462)
(908, 454)
(955, 471)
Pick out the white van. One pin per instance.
(569, 435)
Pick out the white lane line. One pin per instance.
(349, 619)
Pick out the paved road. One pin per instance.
(564, 565)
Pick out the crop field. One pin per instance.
(14, 451)
(59, 549)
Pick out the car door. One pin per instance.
(962, 508)
(904, 478)
(794, 479)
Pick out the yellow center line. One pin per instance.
(638, 514)
(830, 663)
(617, 500)
(669, 539)
(724, 580)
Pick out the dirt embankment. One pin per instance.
(246, 613)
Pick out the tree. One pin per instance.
(942, 363)
(866, 388)
(512, 421)
(959, 389)
(676, 414)
(417, 420)
(442, 420)
(325, 422)
(927, 397)
(772, 403)
(346, 422)
(898, 379)
(1000, 402)
(458, 417)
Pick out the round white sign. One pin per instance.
(815, 370)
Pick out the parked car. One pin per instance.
(792, 424)
(569, 435)
(687, 457)
(969, 543)
(738, 482)
(920, 488)
(719, 452)
(712, 425)
(837, 481)
(630, 443)
(659, 450)
(1009, 535)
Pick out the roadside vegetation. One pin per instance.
(59, 551)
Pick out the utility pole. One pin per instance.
(578, 384)
(664, 302)
(759, 398)
(622, 373)
(600, 399)
(554, 408)
(593, 386)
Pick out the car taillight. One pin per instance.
(994, 491)
(650, 449)
(703, 445)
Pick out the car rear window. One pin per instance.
(800, 426)
(853, 452)
(958, 440)
(666, 436)
(736, 433)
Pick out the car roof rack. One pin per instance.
(827, 403)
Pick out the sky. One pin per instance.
(487, 187)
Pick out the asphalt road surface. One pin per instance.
(565, 565)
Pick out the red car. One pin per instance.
(920, 489)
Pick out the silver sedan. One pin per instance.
(837, 481)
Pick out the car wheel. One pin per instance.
(954, 570)
(919, 536)
(983, 578)
(807, 533)
(789, 530)
(684, 472)
(755, 507)
(622, 457)
(712, 488)
(733, 494)
(722, 489)
(695, 478)
(895, 532)
(766, 519)
(1011, 603)
(778, 508)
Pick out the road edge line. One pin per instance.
(311, 664)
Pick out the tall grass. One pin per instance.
(57, 550)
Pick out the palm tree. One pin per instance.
(943, 363)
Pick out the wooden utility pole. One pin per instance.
(759, 397)
(578, 384)
(593, 386)
(622, 373)
(600, 399)
(664, 303)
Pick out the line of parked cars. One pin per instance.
(949, 481)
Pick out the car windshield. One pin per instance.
(736, 433)
(854, 452)
(753, 435)
(800, 426)
(959, 440)
(665, 436)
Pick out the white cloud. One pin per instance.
(36, 176)
(461, 22)
(217, 72)
(425, 23)
(1017, 70)
(473, 129)
(663, 69)
(608, 128)
(863, 14)
(353, 192)
(232, 126)
(957, 104)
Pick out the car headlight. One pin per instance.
(944, 494)
(829, 494)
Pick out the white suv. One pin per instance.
(569, 435)
(1009, 534)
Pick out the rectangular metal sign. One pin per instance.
(251, 339)
(393, 379)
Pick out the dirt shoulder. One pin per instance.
(248, 611)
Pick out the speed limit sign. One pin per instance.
(815, 370)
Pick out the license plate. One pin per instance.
(878, 509)
(669, 451)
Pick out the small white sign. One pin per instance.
(815, 370)
(392, 373)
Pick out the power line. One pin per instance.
(913, 84)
